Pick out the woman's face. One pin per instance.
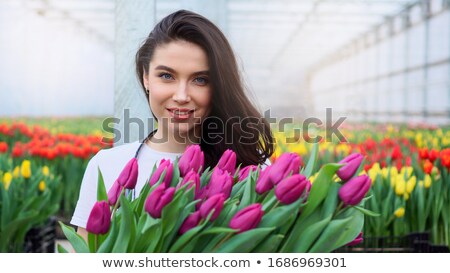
(179, 88)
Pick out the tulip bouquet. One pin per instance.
(29, 195)
(185, 208)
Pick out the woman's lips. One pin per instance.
(180, 114)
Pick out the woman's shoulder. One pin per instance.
(119, 153)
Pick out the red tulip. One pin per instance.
(292, 188)
(192, 159)
(99, 219)
(128, 176)
(352, 163)
(215, 203)
(158, 199)
(287, 164)
(228, 161)
(167, 166)
(433, 155)
(427, 166)
(190, 222)
(247, 218)
(423, 153)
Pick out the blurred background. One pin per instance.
(68, 65)
(368, 60)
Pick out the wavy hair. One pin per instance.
(234, 122)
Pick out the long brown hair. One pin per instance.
(234, 122)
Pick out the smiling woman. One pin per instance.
(190, 77)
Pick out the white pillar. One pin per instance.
(134, 20)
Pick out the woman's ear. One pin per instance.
(145, 79)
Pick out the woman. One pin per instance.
(189, 74)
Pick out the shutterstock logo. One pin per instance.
(217, 130)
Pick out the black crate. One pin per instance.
(417, 242)
(41, 239)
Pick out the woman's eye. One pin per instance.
(165, 76)
(201, 81)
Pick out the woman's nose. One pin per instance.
(181, 95)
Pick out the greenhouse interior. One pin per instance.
(339, 132)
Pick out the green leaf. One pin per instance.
(77, 242)
(245, 241)
(108, 244)
(298, 228)
(127, 227)
(249, 195)
(270, 245)
(176, 174)
(61, 249)
(320, 187)
(310, 234)
(187, 237)
(367, 212)
(101, 190)
(308, 171)
(339, 232)
(280, 215)
(217, 230)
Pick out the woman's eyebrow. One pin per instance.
(163, 67)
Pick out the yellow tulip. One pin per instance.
(26, 169)
(400, 186)
(376, 167)
(45, 170)
(406, 196)
(427, 181)
(16, 172)
(373, 175)
(42, 185)
(384, 171)
(400, 212)
(411, 184)
(7, 178)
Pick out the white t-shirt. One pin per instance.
(111, 162)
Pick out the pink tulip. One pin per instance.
(193, 180)
(190, 222)
(191, 160)
(167, 166)
(215, 203)
(263, 183)
(129, 174)
(292, 188)
(228, 161)
(352, 163)
(114, 193)
(243, 173)
(99, 219)
(357, 240)
(352, 192)
(158, 199)
(287, 164)
(220, 182)
(247, 218)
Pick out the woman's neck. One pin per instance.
(171, 143)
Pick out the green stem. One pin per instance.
(222, 241)
(117, 203)
(96, 243)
